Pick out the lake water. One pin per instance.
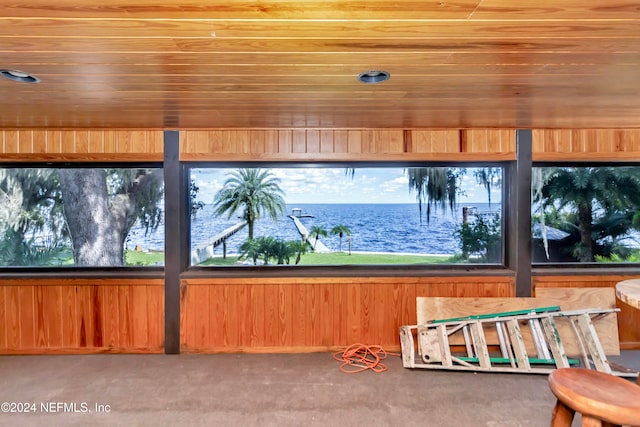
(392, 228)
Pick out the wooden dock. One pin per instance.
(319, 246)
(205, 251)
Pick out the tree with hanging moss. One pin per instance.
(102, 205)
(92, 208)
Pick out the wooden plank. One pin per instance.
(285, 142)
(243, 316)
(574, 299)
(285, 315)
(567, 299)
(257, 142)
(271, 315)
(217, 316)
(354, 141)
(26, 310)
(10, 141)
(341, 141)
(125, 316)
(271, 141)
(480, 344)
(139, 315)
(593, 345)
(555, 342)
(52, 313)
(312, 334)
(40, 141)
(59, 142)
(257, 315)
(96, 141)
(3, 318)
(326, 141)
(519, 348)
(299, 315)
(443, 341)
(313, 141)
(70, 323)
(198, 312)
(111, 325)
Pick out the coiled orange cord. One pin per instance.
(360, 357)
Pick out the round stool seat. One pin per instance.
(597, 395)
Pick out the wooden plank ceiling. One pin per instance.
(266, 64)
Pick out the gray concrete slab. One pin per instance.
(262, 390)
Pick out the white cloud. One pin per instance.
(332, 185)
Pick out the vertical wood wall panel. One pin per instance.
(78, 316)
(586, 144)
(332, 144)
(81, 145)
(297, 314)
(628, 317)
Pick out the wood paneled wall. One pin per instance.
(260, 314)
(628, 317)
(586, 144)
(81, 145)
(81, 316)
(312, 314)
(347, 145)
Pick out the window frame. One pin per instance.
(349, 270)
(577, 267)
(89, 272)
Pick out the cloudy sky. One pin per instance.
(332, 185)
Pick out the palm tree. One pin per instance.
(341, 230)
(317, 231)
(589, 190)
(254, 191)
(282, 251)
(250, 249)
(299, 247)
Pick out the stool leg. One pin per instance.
(562, 415)
(589, 421)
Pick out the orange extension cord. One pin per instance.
(359, 357)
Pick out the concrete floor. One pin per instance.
(264, 390)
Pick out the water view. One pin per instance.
(394, 228)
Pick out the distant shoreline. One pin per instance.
(361, 253)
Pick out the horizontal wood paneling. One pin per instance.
(275, 64)
(298, 314)
(81, 145)
(586, 144)
(347, 145)
(43, 316)
(628, 317)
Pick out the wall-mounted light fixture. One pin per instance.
(374, 76)
(19, 76)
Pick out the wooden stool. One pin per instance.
(628, 291)
(602, 399)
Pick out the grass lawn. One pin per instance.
(137, 258)
(343, 258)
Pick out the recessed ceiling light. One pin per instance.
(19, 76)
(374, 76)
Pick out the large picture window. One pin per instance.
(316, 215)
(586, 214)
(83, 217)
